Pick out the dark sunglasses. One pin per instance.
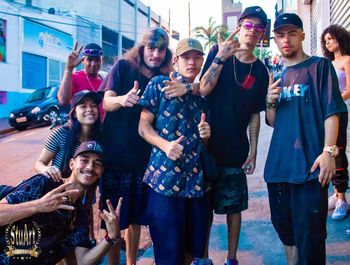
(249, 25)
(92, 52)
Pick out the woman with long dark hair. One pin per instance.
(84, 125)
(335, 42)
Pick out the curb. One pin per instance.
(7, 130)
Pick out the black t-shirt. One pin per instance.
(124, 149)
(231, 106)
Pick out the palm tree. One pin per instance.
(209, 34)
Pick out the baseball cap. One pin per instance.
(79, 96)
(88, 147)
(155, 37)
(188, 44)
(254, 11)
(92, 50)
(288, 19)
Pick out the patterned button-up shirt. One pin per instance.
(173, 118)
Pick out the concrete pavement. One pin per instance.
(4, 126)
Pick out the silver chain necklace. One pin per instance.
(235, 75)
(93, 89)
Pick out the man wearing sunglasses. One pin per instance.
(87, 79)
(235, 83)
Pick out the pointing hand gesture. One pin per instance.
(73, 59)
(228, 47)
(174, 88)
(274, 91)
(131, 98)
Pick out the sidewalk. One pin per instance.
(4, 126)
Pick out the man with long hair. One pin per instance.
(127, 154)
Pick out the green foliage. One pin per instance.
(209, 33)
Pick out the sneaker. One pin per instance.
(197, 261)
(340, 211)
(332, 200)
(231, 262)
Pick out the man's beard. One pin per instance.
(289, 55)
(154, 69)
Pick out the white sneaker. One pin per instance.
(340, 211)
(332, 200)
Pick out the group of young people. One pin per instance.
(158, 123)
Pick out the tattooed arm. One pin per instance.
(254, 128)
(209, 79)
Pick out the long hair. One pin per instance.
(74, 133)
(341, 35)
(135, 57)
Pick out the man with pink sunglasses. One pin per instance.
(235, 83)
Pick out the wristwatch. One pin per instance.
(189, 88)
(270, 105)
(112, 242)
(218, 61)
(332, 150)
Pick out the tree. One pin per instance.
(209, 34)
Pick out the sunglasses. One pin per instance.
(92, 52)
(249, 25)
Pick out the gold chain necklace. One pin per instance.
(235, 75)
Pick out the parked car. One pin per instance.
(41, 102)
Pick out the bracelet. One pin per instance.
(112, 242)
(189, 87)
(270, 105)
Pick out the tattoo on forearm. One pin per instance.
(212, 75)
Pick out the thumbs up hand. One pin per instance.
(204, 128)
(174, 149)
(132, 97)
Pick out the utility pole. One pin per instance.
(189, 19)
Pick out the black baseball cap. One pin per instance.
(92, 50)
(288, 19)
(89, 147)
(254, 11)
(79, 96)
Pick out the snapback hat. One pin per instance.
(88, 147)
(254, 11)
(92, 50)
(188, 44)
(155, 37)
(288, 19)
(79, 96)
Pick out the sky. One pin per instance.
(201, 11)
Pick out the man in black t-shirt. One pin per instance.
(126, 153)
(235, 83)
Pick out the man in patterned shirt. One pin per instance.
(42, 221)
(177, 207)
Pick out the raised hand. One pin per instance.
(132, 97)
(273, 91)
(174, 149)
(204, 128)
(57, 199)
(174, 87)
(112, 219)
(228, 47)
(73, 59)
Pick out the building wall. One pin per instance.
(231, 11)
(340, 13)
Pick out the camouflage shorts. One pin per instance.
(230, 191)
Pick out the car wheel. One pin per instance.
(20, 127)
(53, 114)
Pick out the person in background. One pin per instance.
(335, 42)
(302, 106)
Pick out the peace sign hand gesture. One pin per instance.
(73, 58)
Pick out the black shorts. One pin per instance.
(299, 215)
(116, 184)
